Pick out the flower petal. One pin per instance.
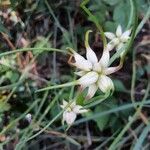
(110, 46)
(125, 36)
(91, 91)
(110, 35)
(69, 117)
(119, 31)
(90, 54)
(105, 83)
(65, 103)
(88, 79)
(78, 109)
(111, 70)
(82, 63)
(80, 73)
(104, 61)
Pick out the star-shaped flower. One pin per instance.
(71, 111)
(117, 40)
(93, 72)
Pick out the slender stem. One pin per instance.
(131, 14)
(58, 86)
(94, 19)
(32, 49)
(133, 118)
(133, 77)
(134, 22)
(143, 21)
(16, 120)
(98, 101)
(54, 119)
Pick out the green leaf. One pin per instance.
(110, 26)
(102, 122)
(80, 98)
(55, 110)
(121, 14)
(111, 2)
(41, 43)
(142, 6)
(4, 106)
(119, 86)
(115, 123)
(99, 10)
(140, 140)
(12, 76)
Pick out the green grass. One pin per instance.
(124, 122)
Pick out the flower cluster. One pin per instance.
(71, 111)
(93, 72)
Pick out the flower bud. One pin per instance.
(69, 117)
(105, 84)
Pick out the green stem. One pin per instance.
(93, 103)
(14, 122)
(134, 22)
(58, 86)
(133, 77)
(94, 19)
(53, 120)
(32, 49)
(131, 14)
(133, 118)
(143, 21)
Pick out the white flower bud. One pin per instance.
(89, 78)
(69, 117)
(105, 83)
(119, 31)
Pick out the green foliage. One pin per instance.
(12, 76)
(119, 86)
(52, 69)
(110, 26)
(121, 13)
(104, 122)
(142, 6)
(111, 2)
(4, 106)
(41, 42)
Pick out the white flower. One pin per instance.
(71, 111)
(29, 117)
(93, 73)
(117, 40)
